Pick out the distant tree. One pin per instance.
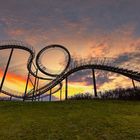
(121, 93)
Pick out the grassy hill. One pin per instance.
(70, 120)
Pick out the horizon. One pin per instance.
(91, 28)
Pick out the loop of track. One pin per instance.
(70, 68)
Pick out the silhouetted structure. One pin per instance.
(72, 65)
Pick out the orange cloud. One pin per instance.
(119, 41)
(117, 82)
(15, 82)
(101, 44)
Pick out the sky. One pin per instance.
(87, 28)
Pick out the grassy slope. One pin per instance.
(72, 120)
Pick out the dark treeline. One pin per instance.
(122, 94)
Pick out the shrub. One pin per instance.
(81, 96)
(122, 94)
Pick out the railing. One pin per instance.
(75, 63)
(16, 43)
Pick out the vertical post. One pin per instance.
(34, 85)
(50, 97)
(60, 94)
(39, 98)
(94, 82)
(134, 84)
(26, 87)
(10, 98)
(66, 89)
(37, 86)
(6, 69)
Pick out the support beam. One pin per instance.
(6, 69)
(50, 97)
(94, 82)
(134, 86)
(35, 85)
(31, 81)
(66, 88)
(10, 98)
(26, 87)
(60, 94)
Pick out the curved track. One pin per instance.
(9, 44)
(128, 73)
(71, 67)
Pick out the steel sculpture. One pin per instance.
(55, 80)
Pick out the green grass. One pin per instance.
(70, 120)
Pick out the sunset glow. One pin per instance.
(87, 29)
(15, 82)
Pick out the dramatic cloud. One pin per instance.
(91, 28)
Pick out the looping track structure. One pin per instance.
(55, 80)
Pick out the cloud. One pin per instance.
(85, 77)
(81, 77)
(129, 60)
(89, 28)
(121, 43)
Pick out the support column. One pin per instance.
(50, 97)
(34, 85)
(134, 86)
(66, 89)
(60, 94)
(26, 87)
(6, 69)
(10, 98)
(37, 86)
(94, 82)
